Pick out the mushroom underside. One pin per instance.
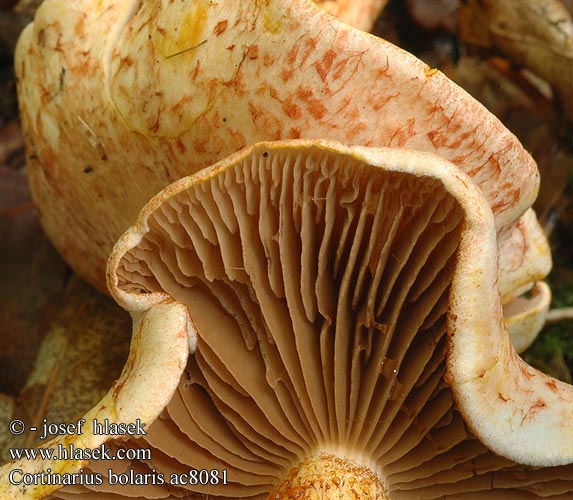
(318, 286)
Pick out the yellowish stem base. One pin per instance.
(328, 476)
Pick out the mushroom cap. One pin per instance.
(119, 99)
(320, 280)
(524, 258)
(158, 354)
(525, 316)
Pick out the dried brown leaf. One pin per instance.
(11, 141)
(33, 277)
(11, 25)
(28, 7)
(438, 14)
(83, 352)
(537, 34)
(62, 344)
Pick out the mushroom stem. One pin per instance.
(331, 476)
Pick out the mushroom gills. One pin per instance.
(318, 286)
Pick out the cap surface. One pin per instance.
(187, 83)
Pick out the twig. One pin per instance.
(185, 50)
(558, 315)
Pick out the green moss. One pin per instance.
(552, 352)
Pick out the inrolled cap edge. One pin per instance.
(515, 410)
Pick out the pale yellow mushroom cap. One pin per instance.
(120, 99)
